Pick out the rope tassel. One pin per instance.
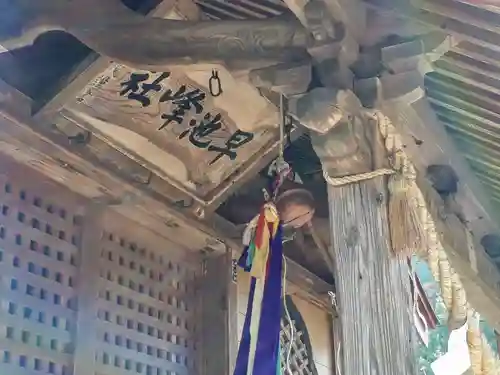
(407, 235)
(404, 223)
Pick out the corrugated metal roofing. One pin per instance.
(242, 9)
(464, 90)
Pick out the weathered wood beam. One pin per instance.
(456, 89)
(470, 71)
(22, 144)
(88, 291)
(95, 64)
(372, 286)
(219, 314)
(469, 19)
(417, 54)
(478, 52)
(322, 247)
(114, 31)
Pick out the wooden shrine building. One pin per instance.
(137, 136)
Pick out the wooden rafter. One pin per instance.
(95, 63)
(113, 30)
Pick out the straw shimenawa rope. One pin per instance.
(426, 243)
(483, 360)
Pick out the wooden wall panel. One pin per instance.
(40, 236)
(86, 291)
(147, 307)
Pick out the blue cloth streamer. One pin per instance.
(267, 355)
(244, 349)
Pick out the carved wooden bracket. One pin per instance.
(343, 135)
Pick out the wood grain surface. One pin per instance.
(176, 151)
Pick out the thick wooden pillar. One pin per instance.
(88, 289)
(372, 286)
(373, 291)
(219, 313)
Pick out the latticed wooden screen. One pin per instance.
(299, 357)
(39, 254)
(147, 309)
(127, 304)
(294, 353)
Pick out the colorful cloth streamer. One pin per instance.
(259, 351)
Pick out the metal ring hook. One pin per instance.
(215, 77)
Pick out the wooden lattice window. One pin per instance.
(39, 258)
(147, 310)
(103, 297)
(300, 359)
